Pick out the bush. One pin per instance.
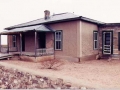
(51, 64)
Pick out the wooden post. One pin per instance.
(54, 45)
(35, 43)
(8, 43)
(20, 44)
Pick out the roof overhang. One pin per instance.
(37, 28)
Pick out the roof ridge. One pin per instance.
(59, 14)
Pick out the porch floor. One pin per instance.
(5, 55)
(23, 53)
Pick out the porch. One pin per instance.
(34, 41)
(39, 52)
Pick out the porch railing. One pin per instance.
(45, 51)
(11, 49)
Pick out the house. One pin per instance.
(63, 35)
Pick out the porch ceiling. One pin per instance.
(38, 28)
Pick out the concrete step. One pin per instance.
(115, 51)
(115, 56)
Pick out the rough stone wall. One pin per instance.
(14, 79)
(115, 30)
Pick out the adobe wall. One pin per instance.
(69, 47)
(50, 40)
(86, 43)
(29, 41)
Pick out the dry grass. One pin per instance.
(51, 64)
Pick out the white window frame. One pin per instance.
(95, 32)
(14, 41)
(60, 40)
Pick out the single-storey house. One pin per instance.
(63, 35)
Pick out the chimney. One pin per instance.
(47, 14)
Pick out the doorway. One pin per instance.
(42, 40)
(107, 42)
(119, 41)
(23, 42)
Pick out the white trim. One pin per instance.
(104, 46)
(14, 41)
(60, 39)
(80, 38)
(95, 32)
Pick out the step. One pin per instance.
(115, 58)
(5, 57)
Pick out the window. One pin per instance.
(95, 39)
(58, 40)
(14, 40)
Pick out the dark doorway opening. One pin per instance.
(119, 41)
(23, 42)
(42, 40)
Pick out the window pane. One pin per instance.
(58, 38)
(95, 36)
(14, 44)
(57, 44)
(96, 44)
(14, 40)
(58, 35)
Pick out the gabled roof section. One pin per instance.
(53, 19)
(38, 28)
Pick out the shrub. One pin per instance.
(51, 64)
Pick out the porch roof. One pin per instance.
(38, 28)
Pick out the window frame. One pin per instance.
(14, 40)
(61, 40)
(95, 40)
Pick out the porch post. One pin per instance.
(8, 43)
(0, 42)
(54, 44)
(20, 44)
(35, 43)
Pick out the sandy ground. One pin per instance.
(94, 73)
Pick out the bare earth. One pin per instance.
(93, 74)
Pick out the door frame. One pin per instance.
(111, 41)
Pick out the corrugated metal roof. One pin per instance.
(53, 18)
(42, 28)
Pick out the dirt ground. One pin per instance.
(94, 73)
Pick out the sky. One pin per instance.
(13, 12)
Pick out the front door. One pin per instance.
(107, 41)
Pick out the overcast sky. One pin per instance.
(14, 12)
